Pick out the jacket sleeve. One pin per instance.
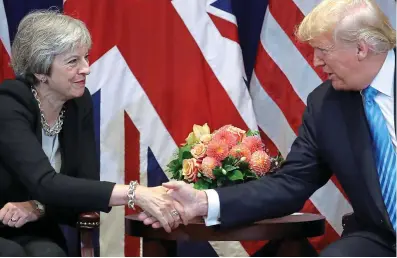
(88, 168)
(22, 153)
(284, 192)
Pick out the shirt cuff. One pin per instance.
(213, 213)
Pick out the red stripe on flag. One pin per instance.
(277, 86)
(288, 20)
(226, 28)
(5, 69)
(132, 164)
(273, 151)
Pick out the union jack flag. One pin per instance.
(160, 66)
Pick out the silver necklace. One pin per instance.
(49, 131)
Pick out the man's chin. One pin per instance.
(338, 85)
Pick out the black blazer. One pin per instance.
(25, 171)
(334, 138)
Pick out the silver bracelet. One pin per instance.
(131, 194)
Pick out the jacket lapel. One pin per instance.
(361, 142)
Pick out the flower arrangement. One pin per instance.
(224, 157)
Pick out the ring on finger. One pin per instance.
(14, 220)
(174, 213)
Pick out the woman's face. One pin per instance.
(68, 73)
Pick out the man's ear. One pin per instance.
(362, 50)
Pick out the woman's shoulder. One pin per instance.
(17, 92)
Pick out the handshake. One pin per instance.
(171, 204)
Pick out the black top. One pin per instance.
(25, 171)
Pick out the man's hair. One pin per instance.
(42, 35)
(349, 21)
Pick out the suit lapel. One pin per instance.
(361, 142)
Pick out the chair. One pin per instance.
(86, 224)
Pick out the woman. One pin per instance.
(47, 141)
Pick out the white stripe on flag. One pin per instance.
(287, 57)
(223, 55)
(4, 35)
(270, 118)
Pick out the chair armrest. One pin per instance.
(346, 219)
(86, 224)
(88, 220)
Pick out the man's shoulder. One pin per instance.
(323, 93)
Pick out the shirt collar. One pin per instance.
(383, 81)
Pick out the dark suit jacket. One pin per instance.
(334, 137)
(25, 171)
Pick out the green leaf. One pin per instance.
(243, 165)
(217, 172)
(229, 168)
(184, 153)
(252, 133)
(201, 185)
(229, 160)
(236, 175)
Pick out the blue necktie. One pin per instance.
(385, 154)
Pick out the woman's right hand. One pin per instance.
(17, 214)
(156, 202)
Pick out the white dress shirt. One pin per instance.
(383, 82)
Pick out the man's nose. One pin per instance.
(317, 60)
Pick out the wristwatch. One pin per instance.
(39, 207)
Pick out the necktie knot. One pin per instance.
(369, 94)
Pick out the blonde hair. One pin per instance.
(350, 21)
(42, 35)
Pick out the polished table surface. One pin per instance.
(289, 232)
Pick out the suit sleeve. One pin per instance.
(284, 192)
(22, 153)
(89, 167)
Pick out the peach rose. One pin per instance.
(237, 131)
(198, 151)
(190, 169)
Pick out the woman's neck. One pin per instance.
(51, 104)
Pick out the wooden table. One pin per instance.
(288, 235)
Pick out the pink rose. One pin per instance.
(198, 151)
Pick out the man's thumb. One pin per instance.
(174, 185)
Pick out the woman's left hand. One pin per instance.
(17, 214)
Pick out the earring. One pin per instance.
(43, 80)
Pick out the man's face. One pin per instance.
(339, 60)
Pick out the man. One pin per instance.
(348, 128)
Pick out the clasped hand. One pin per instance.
(180, 202)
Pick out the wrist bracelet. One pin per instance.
(131, 194)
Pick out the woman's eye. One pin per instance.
(72, 61)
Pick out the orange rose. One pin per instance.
(198, 151)
(190, 169)
(237, 131)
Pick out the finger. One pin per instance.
(156, 225)
(173, 185)
(7, 217)
(3, 212)
(165, 225)
(150, 220)
(142, 216)
(13, 221)
(182, 215)
(21, 222)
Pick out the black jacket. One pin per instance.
(334, 137)
(25, 171)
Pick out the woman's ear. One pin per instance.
(41, 77)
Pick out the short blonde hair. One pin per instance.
(42, 35)
(349, 21)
